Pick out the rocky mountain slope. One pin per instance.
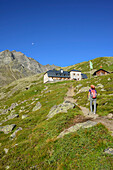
(49, 126)
(15, 65)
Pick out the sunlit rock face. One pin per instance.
(15, 65)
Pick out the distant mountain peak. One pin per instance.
(18, 65)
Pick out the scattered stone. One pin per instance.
(24, 116)
(14, 134)
(12, 111)
(99, 86)
(79, 85)
(109, 151)
(20, 111)
(109, 79)
(8, 128)
(0, 123)
(83, 89)
(13, 105)
(37, 99)
(23, 101)
(49, 91)
(33, 167)
(12, 116)
(110, 94)
(7, 167)
(66, 105)
(37, 107)
(6, 150)
(76, 127)
(4, 112)
(15, 145)
(22, 107)
(33, 102)
(103, 90)
(110, 116)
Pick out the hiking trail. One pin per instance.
(94, 117)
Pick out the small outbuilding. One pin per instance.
(100, 72)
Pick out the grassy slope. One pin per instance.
(105, 62)
(37, 146)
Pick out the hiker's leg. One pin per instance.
(94, 105)
(91, 108)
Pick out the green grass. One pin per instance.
(37, 144)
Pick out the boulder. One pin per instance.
(109, 151)
(110, 116)
(79, 85)
(6, 150)
(83, 89)
(24, 116)
(14, 134)
(37, 106)
(66, 105)
(8, 128)
(13, 105)
(76, 127)
(11, 116)
(99, 86)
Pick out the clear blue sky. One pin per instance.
(60, 32)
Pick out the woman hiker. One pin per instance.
(92, 95)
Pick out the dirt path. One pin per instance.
(70, 95)
(99, 119)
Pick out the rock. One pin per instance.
(37, 99)
(66, 105)
(110, 116)
(79, 85)
(37, 107)
(33, 102)
(23, 101)
(76, 127)
(83, 89)
(110, 94)
(24, 116)
(13, 105)
(4, 112)
(103, 90)
(14, 134)
(99, 86)
(109, 79)
(49, 91)
(20, 111)
(108, 151)
(6, 150)
(7, 167)
(12, 116)
(8, 128)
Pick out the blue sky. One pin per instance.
(60, 32)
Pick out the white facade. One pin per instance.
(75, 75)
(47, 79)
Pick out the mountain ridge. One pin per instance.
(15, 65)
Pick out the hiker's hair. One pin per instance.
(92, 86)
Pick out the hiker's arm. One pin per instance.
(88, 95)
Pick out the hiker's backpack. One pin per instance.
(93, 93)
